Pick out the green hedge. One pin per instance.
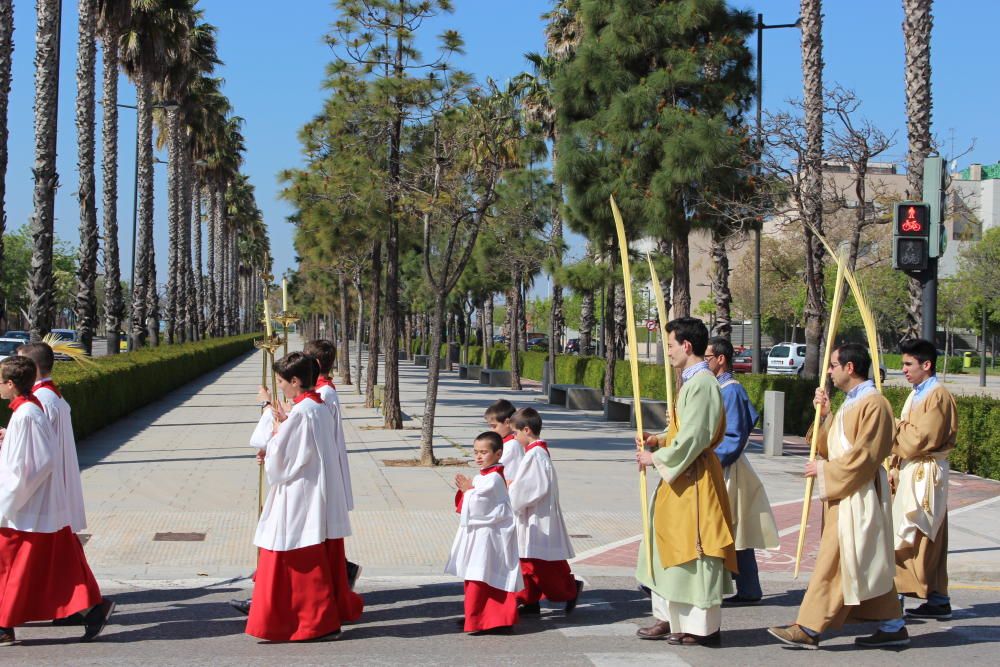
(894, 362)
(116, 385)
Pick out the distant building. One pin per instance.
(973, 207)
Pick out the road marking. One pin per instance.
(605, 547)
(981, 503)
(974, 587)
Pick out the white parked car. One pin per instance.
(8, 346)
(786, 359)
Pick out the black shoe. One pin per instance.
(941, 612)
(96, 619)
(7, 637)
(502, 630)
(242, 606)
(645, 591)
(72, 619)
(529, 609)
(737, 601)
(329, 637)
(571, 605)
(353, 572)
(882, 639)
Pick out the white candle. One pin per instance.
(267, 318)
(284, 294)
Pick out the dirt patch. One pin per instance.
(415, 463)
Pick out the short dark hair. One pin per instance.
(922, 350)
(298, 365)
(856, 354)
(690, 329)
(21, 371)
(527, 417)
(494, 440)
(325, 353)
(41, 354)
(722, 347)
(500, 410)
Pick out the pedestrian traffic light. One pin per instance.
(935, 191)
(910, 236)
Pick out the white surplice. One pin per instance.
(68, 469)
(513, 454)
(332, 401)
(485, 546)
(305, 504)
(534, 495)
(31, 499)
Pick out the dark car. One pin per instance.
(23, 335)
(573, 346)
(743, 361)
(538, 343)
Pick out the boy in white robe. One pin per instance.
(44, 574)
(300, 589)
(498, 419)
(484, 552)
(325, 353)
(543, 541)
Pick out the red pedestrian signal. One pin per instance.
(912, 219)
(910, 234)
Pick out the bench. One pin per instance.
(494, 377)
(421, 360)
(557, 392)
(584, 398)
(622, 408)
(469, 371)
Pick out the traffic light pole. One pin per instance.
(929, 298)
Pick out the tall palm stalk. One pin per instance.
(86, 277)
(917, 25)
(6, 51)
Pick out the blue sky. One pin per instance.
(275, 57)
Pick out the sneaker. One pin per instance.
(96, 619)
(571, 605)
(353, 573)
(242, 606)
(7, 637)
(530, 609)
(882, 638)
(793, 635)
(941, 612)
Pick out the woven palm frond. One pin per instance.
(67, 348)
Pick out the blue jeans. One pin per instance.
(747, 581)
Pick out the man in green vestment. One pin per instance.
(693, 551)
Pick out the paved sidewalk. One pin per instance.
(182, 468)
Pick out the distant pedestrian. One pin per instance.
(543, 541)
(44, 573)
(484, 552)
(498, 419)
(300, 589)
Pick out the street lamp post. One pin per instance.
(761, 27)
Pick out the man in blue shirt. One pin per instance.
(753, 523)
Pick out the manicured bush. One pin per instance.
(894, 362)
(116, 385)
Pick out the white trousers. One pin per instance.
(687, 617)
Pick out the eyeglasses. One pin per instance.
(711, 356)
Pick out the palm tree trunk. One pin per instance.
(219, 259)
(812, 82)
(6, 52)
(41, 282)
(917, 25)
(86, 277)
(145, 175)
(114, 304)
(173, 220)
(210, 288)
(720, 286)
(610, 358)
(199, 275)
(187, 294)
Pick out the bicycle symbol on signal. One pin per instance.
(911, 224)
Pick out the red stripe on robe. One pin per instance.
(549, 579)
(43, 576)
(302, 593)
(487, 607)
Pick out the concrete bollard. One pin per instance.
(774, 423)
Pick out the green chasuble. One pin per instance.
(689, 514)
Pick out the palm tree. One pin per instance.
(112, 15)
(6, 51)
(812, 165)
(41, 282)
(86, 277)
(917, 24)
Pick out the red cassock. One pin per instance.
(302, 594)
(487, 607)
(549, 579)
(43, 576)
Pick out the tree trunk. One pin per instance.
(433, 375)
(812, 84)
(199, 275)
(609, 350)
(682, 276)
(41, 282)
(6, 53)
(373, 324)
(218, 261)
(514, 306)
(621, 323)
(361, 320)
(587, 320)
(86, 277)
(344, 357)
(114, 304)
(210, 287)
(720, 287)
(664, 247)
(487, 327)
(173, 220)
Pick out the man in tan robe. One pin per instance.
(853, 577)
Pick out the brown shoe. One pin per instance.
(793, 635)
(687, 639)
(659, 630)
